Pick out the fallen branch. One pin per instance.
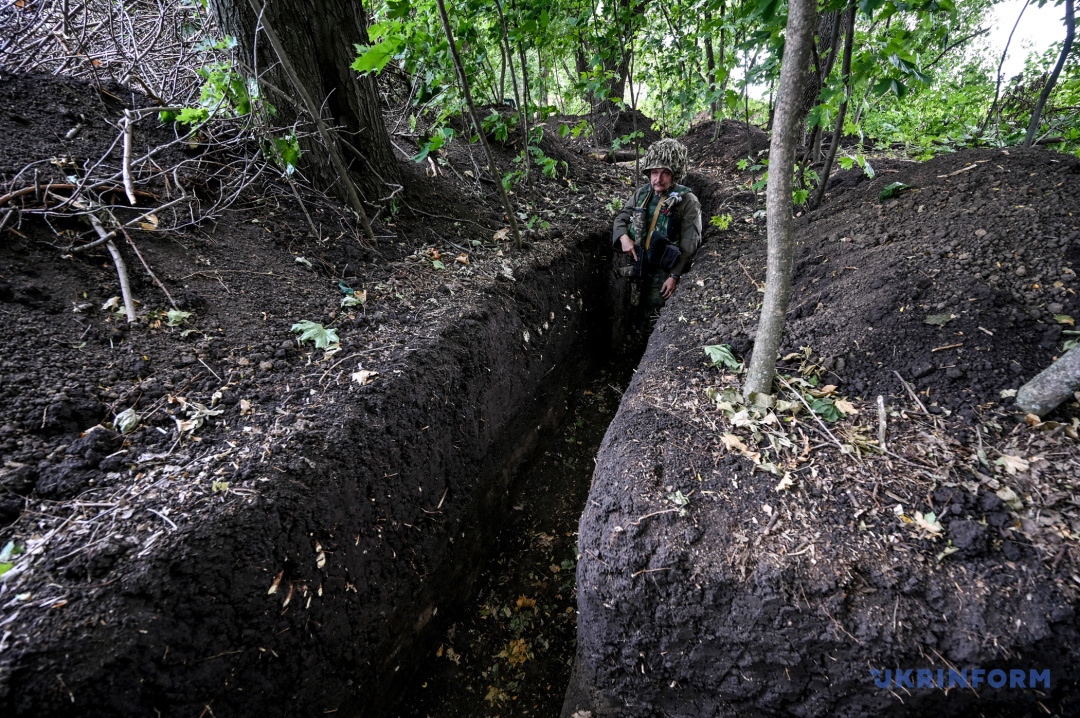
(151, 272)
(129, 186)
(816, 417)
(121, 269)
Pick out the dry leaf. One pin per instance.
(320, 555)
(927, 522)
(245, 407)
(733, 442)
(785, 483)
(502, 234)
(150, 223)
(823, 391)
(276, 583)
(523, 602)
(1012, 464)
(364, 376)
(462, 259)
(846, 407)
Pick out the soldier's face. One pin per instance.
(661, 179)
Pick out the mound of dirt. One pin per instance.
(282, 525)
(739, 560)
(963, 284)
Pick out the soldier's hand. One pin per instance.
(670, 284)
(628, 246)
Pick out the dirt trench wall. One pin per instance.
(710, 614)
(324, 591)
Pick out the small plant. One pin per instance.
(720, 355)
(175, 317)
(721, 221)
(312, 331)
(680, 500)
(1070, 343)
(8, 554)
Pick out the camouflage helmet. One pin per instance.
(669, 153)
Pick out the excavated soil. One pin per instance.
(742, 561)
(287, 529)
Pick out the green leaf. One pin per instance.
(126, 421)
(193, 115)
(720, 355)
(1064, 319)
(939, 320)
(891, 190)
(438, 264)
(826, 409)
(312, 331)
(5, 567)
(375, 57)
(175, 317)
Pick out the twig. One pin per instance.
(911, 391)
(121, 269)
(881, 422)
(816, 417)
(125, 126)
(149, 271)
(949, 346)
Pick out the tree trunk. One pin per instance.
(319, 37)
(838, 133)
(492, 167)
(1036, 114)
(778, 200)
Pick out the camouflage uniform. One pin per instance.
(680, 220)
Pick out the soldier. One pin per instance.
(660, 224)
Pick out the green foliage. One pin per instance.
(826, 409)
(892, 189)
(175, 317)
(720, 356)
(311, 331)
(8, 555)
(720, 221)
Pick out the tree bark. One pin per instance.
(838, 133)
(1001, 63)
(319, 37)
(778, 200)
(1052, 385)
(1036, 114)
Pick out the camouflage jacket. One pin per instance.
(684, 227)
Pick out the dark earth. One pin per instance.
(332, 538)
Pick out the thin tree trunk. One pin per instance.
(513, 76)
(494, 168)
(839, 131)
(778, 200)
(710, 62)
(1001, 63)
(529, 178)
(1036, 114)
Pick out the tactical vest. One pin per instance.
(667, 212)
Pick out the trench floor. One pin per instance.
(509, 653)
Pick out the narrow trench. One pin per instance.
(509, 651)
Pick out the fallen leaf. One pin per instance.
(502, 234)
(1065, 319)
(320, 555)
(276, 583)
(1010, 499)
(523, 602)
(1006, 393)
(1012, 464)
(939, 320)
(245, 407)
(927, 522)
(462, 259)
(846, 407)
(823, 391)
(733, 442)
(785, 483)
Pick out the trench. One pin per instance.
(509, 649)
